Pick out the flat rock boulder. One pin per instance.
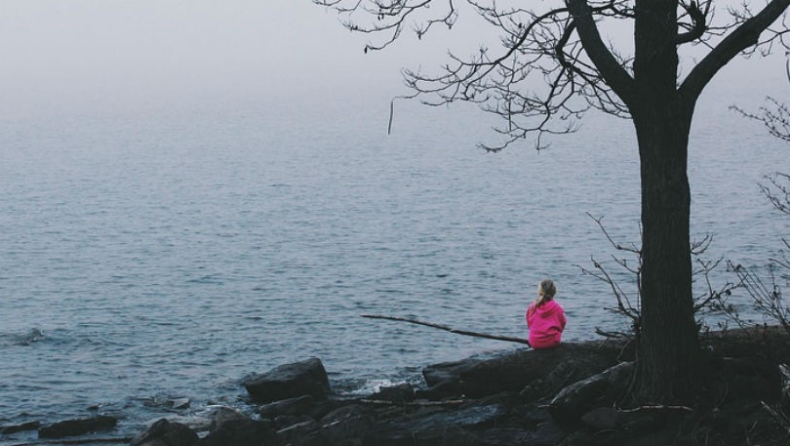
(306, 377)
(447, 371)
(80, 426)
(513, 371)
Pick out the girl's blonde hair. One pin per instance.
(546, 292)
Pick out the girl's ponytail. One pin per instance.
(546, 291)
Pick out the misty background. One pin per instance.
(65, 56)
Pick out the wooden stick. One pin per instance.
(450, 329)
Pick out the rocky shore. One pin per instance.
(574, 394)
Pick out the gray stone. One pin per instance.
(447, 371)
(221, 414)
(180, 403)
(347, 423)
(290, 381)
(165, 432)
(241, 433)
(399, 393)
(513, 371)
(581, 397)
(449, 426)
(290, 406)
(602, 418)
(283, 421)
(297, 431)
(82, 426)
(30, 426)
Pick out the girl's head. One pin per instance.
(546, 291)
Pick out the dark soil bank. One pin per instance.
(575, 394)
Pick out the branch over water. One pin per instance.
(450, 329)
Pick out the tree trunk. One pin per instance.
(668, 347)
(668, 344)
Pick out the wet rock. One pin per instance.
(602, 418)
(30, 426)
(180, 403)
(513, 372)
(450, 426)
(547, 433)
(82, 426)
(347, 423)
(283, 421)
(447, 371)
(220, 414)
(206, 420)
(582, 396)
(290, 406)
(445, 389)
(241, 433)
(163, 432)
(560, 376)
(507, 437)
(289, 381)
(295, 433)
(399, 393)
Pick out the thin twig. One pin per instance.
(781, 419)
(656, 407)
(415, 403)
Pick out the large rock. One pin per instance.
(447, 371)
(81, 426)
(575, 400)
(513, 371)
(241, 433)
(166, 433)
(290, 381)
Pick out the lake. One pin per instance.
(169, 251)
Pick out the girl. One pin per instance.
(545, 317)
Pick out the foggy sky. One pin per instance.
(124, 52)
(75, 50)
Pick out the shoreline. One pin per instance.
(522, 396)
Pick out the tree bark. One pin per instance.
(668, 347)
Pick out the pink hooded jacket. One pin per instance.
(545, 324)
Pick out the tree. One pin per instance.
(554, 65)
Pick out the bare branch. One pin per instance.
(741, 38)
(633, 248)
(698, 28)
(611, 70)
(450, 329)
